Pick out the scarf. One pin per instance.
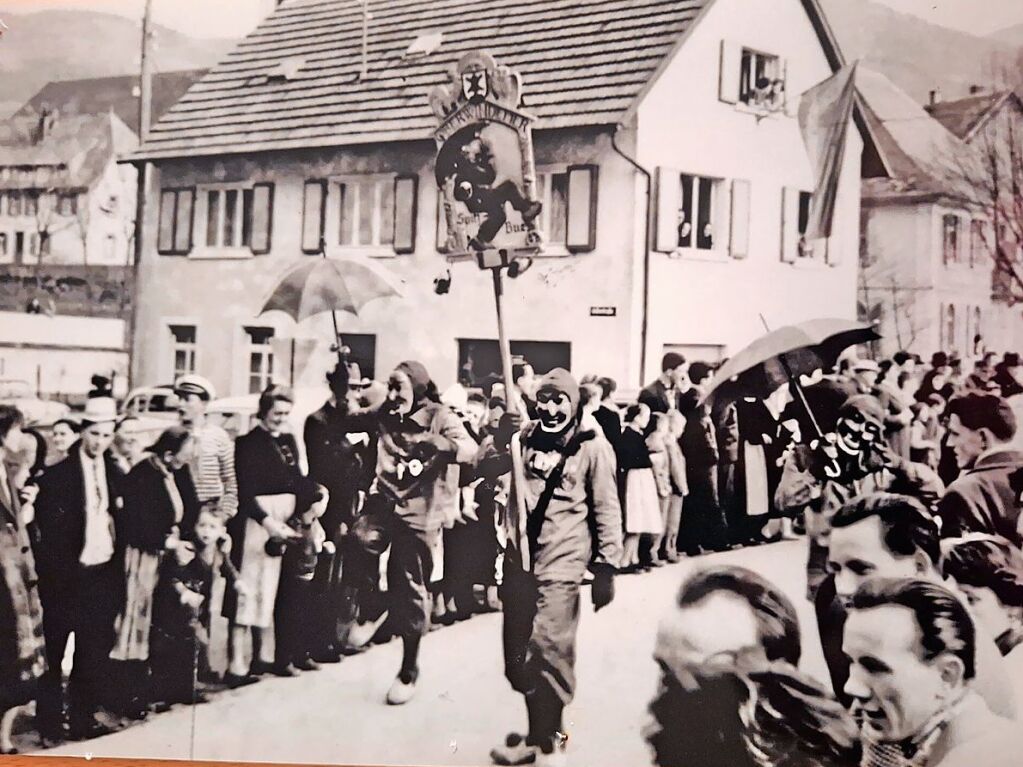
(911, 752)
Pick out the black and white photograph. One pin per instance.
(605, 383)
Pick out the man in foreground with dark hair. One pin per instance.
(662, 395)
(980, 430)
(912, 649)
(890, 536)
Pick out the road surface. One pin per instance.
(463, 706)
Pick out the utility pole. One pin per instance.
(144, 171)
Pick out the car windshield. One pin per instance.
(15, 390)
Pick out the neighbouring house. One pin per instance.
(928, 273)
(675, 184)
(119, 94)
(67, 213)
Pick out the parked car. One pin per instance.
(37, 412)
(155, 407)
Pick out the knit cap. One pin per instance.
(560, 380)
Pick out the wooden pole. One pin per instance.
(502, 342)
(145, 77)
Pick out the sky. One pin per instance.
(235, 18)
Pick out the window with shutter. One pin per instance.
(261, 216)
(950, 238)
(174, 236)
(365, 206)
(314, 199)
(790, 225)
(739, 235)
(581, 230)
(731, 70)
(406, 210)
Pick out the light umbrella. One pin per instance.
(321, 285)
(786, 353)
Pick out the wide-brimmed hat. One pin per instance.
(99, 410)
(193, 384)
(865, 366)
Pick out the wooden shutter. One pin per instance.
(314, 211)
(165, 234)
(183, 220)
(740, 215)
(669, 193)
(581, 230)
(406, 207)
(789, 225)
(833, 245)
(262, 218)
(790, 100)
(731, 70)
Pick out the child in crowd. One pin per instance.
(637, 486)
(294, 647)
(925, 431)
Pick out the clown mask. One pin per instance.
(554, 409)
(856, 433)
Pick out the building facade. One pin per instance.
(670, 164)
(929, 275)
(67, 218)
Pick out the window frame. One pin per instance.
(951, 251)
(544, 173)
(745, 98)
(244, 232)
(324, 186)
(265, 354)
(336, 202)
(718, 206)
(175, 346)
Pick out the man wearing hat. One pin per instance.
(341, 458)
(568, 521)
(80, 573)
(213, 461)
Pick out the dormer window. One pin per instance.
(424, 44)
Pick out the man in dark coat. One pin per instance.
(340, 459)
(564, 518)
(980, 428)
(80, 573)
(663, 394)
(703, 519)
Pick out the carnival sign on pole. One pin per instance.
(487, 183)
(485, 171)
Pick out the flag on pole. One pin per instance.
(824, 114)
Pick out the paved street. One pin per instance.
(464, 705)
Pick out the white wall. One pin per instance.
(683, 124)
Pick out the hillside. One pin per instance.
(62, 45)
(916, 55)
(1013, 35)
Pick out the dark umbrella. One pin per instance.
(784, 354)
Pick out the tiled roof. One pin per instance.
(962, 116)
(73, 154)
(583, 62)
(99, 95)
(918, 151)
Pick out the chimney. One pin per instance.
(47, 119)
(935, 97)
(976, 90)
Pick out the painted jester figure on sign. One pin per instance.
(485, 161)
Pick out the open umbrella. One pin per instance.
(328, 285)
(787, 353)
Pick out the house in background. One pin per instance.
(928, 274)
(67, 212)
(674, 178)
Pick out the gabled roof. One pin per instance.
(583, 62)
(964, 117)
(74, 152)
(99, 95)
(916, 149)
